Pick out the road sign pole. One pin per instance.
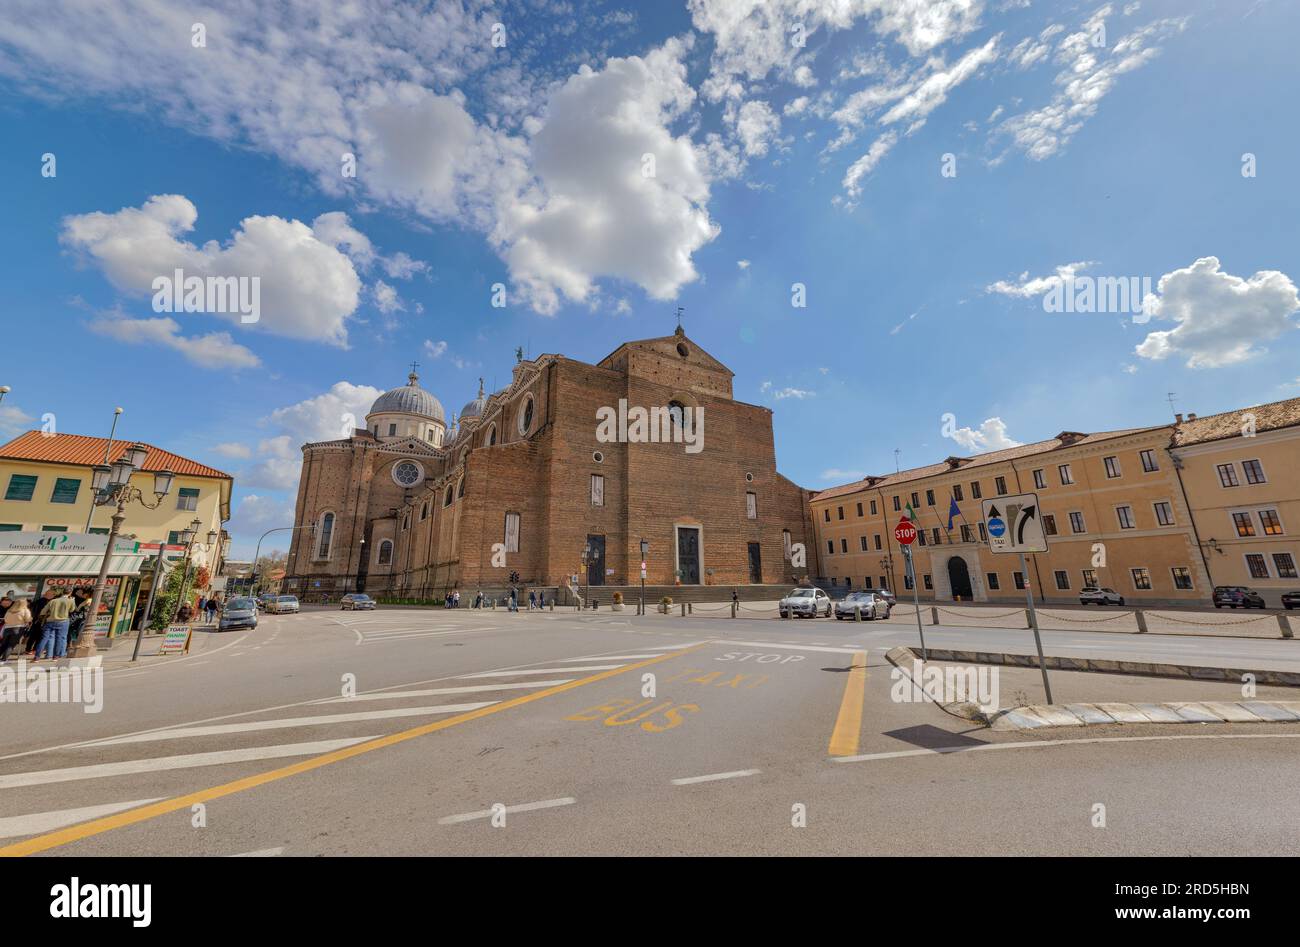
(916, 599)
(1033, 623)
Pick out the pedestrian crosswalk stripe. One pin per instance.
(609, 657)
(712, 777)
(160, 764)
(284, 723)
(438, 691)
(522, 807)
(38, 822)
(568, 670)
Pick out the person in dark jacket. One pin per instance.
(34, 629)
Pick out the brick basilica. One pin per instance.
(524, 482)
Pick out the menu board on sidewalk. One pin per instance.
(176, 640)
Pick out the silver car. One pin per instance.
(283, 605)
(873, 606)
(238, 613)
(1095, 596)
(356, 601)
(887, 595)
(806, 603)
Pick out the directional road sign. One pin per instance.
(1015, 524)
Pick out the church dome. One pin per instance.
(409, 399)
(475, 408)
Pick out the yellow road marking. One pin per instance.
(41, 843)
(848, 725)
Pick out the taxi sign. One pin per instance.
(1014, 524)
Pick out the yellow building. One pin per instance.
(1160, 514)
(1241, 471)
(45, 490)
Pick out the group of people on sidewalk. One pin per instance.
(536, 599)
(208, 607)
(45, 627)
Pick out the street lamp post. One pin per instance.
(586, 554)
(187, 536)
(112, 485)
(252, 589)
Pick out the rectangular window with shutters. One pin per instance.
(965, 533)
(920, 536)
(929, 497)
(840, 510)
(21, 487)
(1227, 475)
(751, 505)
(1164, 513)
(1019, 579)
(916, 500)
(897, 507)
(1000, 483)
(174, 538)
(1049, 524)
(1067, 475)
(956, 492)
(1284, 562)
(992, 579)
(1182, 577)
(877, 539)
(873, 507)
(975, 492)
(1244, 525)
(859, 509)
(884, 583)
(1090, 578)
(830, 547)
(187, 498)
(844, 545)
(934, 536)
(512, 532)
(1112, 467)
(1257, 566)
(1040, 479)
(1125, 516)
(984, 533)
(929, 582)
(1076, 523)
(1253, 470)
(862, 541)
(1269, 520)
(1149, 464)
(1141, 580)
(598, 491)
(1062, 579)
(907, 582)
(826, 514)
(65, 490)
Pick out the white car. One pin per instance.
(282, 605)
(873, 606)
(805, 602)
(1096, 596)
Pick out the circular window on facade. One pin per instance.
(683, 349)
(526, 416)
(407, 473)
(598, 457)
(749, 478)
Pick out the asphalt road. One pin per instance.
(436, 732)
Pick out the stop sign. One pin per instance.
(905, 532)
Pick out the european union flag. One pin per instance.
(952, 511)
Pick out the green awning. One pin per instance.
(53, 563)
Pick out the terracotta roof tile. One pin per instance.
(1214, 427)
(86, 451)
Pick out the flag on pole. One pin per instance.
(910, 514)
(953, 510)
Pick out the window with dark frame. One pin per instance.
(1141, 580)
(1253, 470)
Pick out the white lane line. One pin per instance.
(1024, 745)
(674, 647)
(159, 764)
(39, 822)
(440, 691)
(568, 670)
(522, 807)
(260, 853)
(792, 647)
(735, 774)
(285, 723)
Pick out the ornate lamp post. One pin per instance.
(109, 486)
(187, 537)
(586, 554)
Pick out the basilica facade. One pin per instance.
(564, 472)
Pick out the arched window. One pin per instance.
(677, 414)
(326, 536)
(526, 416)
(492, 436)
(386, 553)
(460, 488)
(424, 510)
(446, 500)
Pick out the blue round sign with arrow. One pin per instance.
(997, 527)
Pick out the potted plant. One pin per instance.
(665, 603)
(618, 602)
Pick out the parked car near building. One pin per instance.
(1291, 600)
(1237, 596)
(873, 606)
(887, 595)
(356, 601)
(1091, 595)
(805, 602)
(238, 613)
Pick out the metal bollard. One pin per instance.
(683, 609)
(552, 604)
(1285, 625)
(857, 613)
(934, 615)
(690, 608)
(733, 609)
(1141, 620)
(1028, 622)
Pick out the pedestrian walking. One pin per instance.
(514, 599)
(210, 607)
(17, 618)
(532, 599)
(54, 632)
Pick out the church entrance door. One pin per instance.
(596, 560)
(688, 555)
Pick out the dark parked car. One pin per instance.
(1237, 596)
(1290, 600)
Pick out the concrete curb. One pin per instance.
(1041, 716)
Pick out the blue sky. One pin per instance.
(1101, 140)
